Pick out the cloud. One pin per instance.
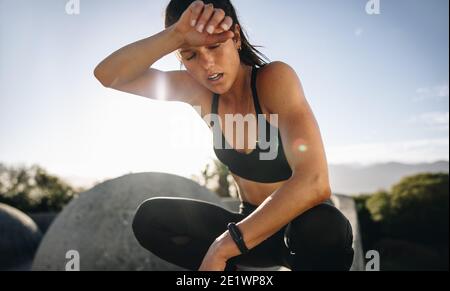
(436, 93)
(437, 121)
(413, 151)
(443, 91)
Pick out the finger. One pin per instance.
(208, 11)
(221, 37)
(196, 8)
(217, 18)
(227, 23)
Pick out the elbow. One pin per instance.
(101, 76)
(323, 193)
(318, 187)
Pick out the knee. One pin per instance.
(145, 218)
(322, 232)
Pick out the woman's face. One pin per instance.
(202, 63)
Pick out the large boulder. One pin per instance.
(97, 224)
(19, 239)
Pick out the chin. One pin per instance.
(219, 91)
(222, 89)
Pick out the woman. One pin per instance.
(284, 219)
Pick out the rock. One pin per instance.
(19, 239)
(43, 219)
(98, 224)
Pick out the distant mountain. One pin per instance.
(354, 179)
(346, 179)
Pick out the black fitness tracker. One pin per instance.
(237, 237)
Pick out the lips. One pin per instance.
(215, 77)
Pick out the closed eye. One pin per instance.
(193, 55)
(214, 47)
(210, 48)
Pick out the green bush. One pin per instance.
(409, 224)
(419, 209)
(370, 230)
(379, 205)
(408, 256)
(33, 189)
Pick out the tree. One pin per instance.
(416, 209)
(218, 179)
(422, 203)
(409, 224)
(379, 205)
(370, 229)
(33, 189)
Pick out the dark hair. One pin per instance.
(249, 55)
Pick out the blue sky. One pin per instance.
(378, 84)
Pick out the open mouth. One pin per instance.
(216, 77)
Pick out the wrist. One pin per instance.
(176, 35)
(226, 247)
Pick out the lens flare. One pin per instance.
(300, 145)
(303, 148)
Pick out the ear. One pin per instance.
(237, 36)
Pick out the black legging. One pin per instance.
(181, 231)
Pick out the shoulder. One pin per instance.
(275, 68)
(278, 73)
(279, 87)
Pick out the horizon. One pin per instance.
(88, 182)
(378, 84)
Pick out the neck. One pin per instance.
(239, 91)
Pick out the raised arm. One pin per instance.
(129, 68)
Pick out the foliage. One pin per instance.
(412, 217)
(218, 179)
(33, 189)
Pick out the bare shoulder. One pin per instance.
(279, 86)
(276, 67)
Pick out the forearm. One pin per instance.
(133, 60)
(283, 206)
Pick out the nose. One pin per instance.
(206, 60)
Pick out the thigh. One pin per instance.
(180, 231)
